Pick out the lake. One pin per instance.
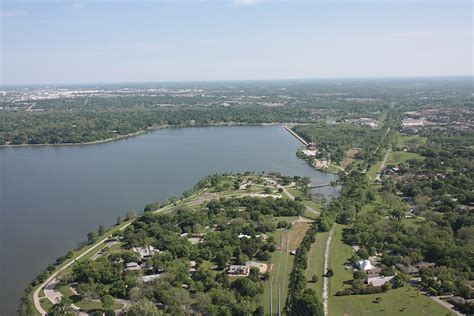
(52, 196)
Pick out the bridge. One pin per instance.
(320, 185)
(298, 137)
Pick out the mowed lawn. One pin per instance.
(316, 263)
(296, 234)
(403, 301)
(281, 264)
(339, 254)
(398, 157)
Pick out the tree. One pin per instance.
(91, 237)
(307, 304)
(119, 220)
(63, 308)
(314, 279)
(107, 302)
(143, 307)
(330, 273)
(101, 230)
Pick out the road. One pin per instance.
(382, 165)
(291, 197)
(52, 277)
(325, 269)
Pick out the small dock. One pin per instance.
(298, 137)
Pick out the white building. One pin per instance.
(364, 265)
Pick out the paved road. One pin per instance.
(36, 300)
(291, 197)
(325, 269)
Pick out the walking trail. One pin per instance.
(325, 269)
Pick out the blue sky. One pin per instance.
(153, 40)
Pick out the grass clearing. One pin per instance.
(65, 291)
(413, 222)
(411, 141)
(373, 170)
(402, 301)
(316, 263)
(90, 305)
(296, 234)
(399, 157)
(349, 157)
(339, 254)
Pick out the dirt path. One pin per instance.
(382, 165)
(325, 269)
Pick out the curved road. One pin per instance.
(36, 299)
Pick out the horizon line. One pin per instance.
(238, 80)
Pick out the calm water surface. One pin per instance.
(51, 197)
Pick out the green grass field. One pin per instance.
(410, 141)
(373, 170)
(398, 157)
(316, 263)
(412, 222)
(403, 301)
(282, 264)
(340, 253)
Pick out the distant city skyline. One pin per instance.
(76, 42)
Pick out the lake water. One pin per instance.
(51, 197)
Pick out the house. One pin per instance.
(150, 278)
(238, 270)
(240, 236)
(144, 252)
(364, 265)
(408, 269)
(309, 153)
(262, 236)
(192, 265)
(378, 280)
(262, 267)
(421, 265)
(133, 266)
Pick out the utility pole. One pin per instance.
(271, 300)
(279, 303)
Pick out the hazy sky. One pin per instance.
(154, 40)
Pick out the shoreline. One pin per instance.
(138, 133)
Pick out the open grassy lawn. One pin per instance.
(403, 301)
(349, 157)
(370, 207)
(316, 263)
(296, 193)
(46, 303)
(339, 254)
(296, 234)
(412, 222)
(65, 291)
(314, 205)
(410, 140)
(398, 157)
(88, 305)
(373, 170)
(282, 263)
